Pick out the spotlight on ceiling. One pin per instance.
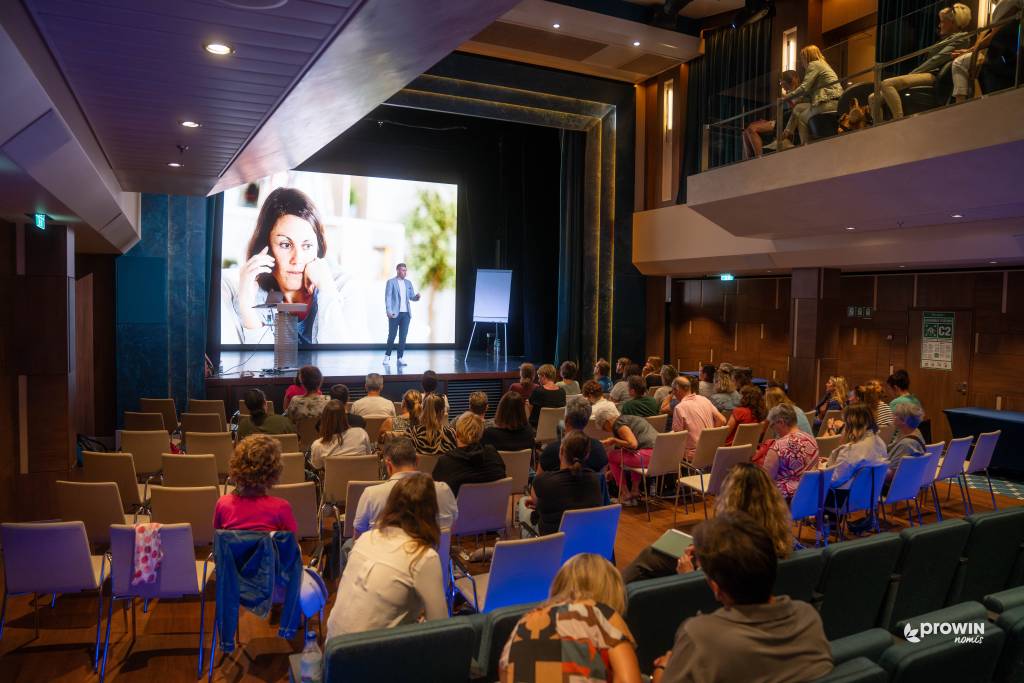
(190, 124)
(219, 49)
(636, 43)
(175, 164)
(556, 26)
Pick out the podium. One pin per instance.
(286, 335)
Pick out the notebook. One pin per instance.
(673, 543)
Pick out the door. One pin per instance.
(939, 362)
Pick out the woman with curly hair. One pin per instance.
(255, 467)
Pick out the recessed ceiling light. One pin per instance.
(191, 124)
(218, 48)
(556, 26)
(957, 215)
(175, 164)
(850, 227)
(636, 43)
(902, 266)
(993, 262)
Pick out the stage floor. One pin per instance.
(340, 364)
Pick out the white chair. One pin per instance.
(306, 431)
(192, 505)
(906, 484)
(201, 422)
(373, 427)
(180, 575)
(302, 498)
(521, 572)
(658, 421)
(980, 460)
(189, 470)
(748, 434)
(244, 409)
(211, 406)
(339, 470)
(50, 557)
(353, 494)
(426, 463)
(146, 449)
(143, 422)
(289, 442)
(547, 424)
(594, 431)
(217, 444)
(95, 504)
(725, 458)
(164, 406)
(120, 469)
(591, 530)
(482, 508)
(827, 444)
(708, 443)
(951, 466)
(829, 415)
(517, 466)
(809, 501)
(293, 468)
(666, 455)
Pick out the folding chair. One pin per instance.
(164, 406)
(190, 470)
(668, 451)
(906, 484)
(201, 422)
(293, 468)
(980, 460)
(748, 434)
(218, 444)
(809, 501)
(120, 469)
(862, 495)
(193, 505)
(143, 421)
(933, 452)
(289, 442)
(951, 466)
(146, 449)
(214, 406)
(338, 472)
(658, 421)
(522, 571)
(725, 458)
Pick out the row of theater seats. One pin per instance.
(865, 591)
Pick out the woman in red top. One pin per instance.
(750, 411)
(294, 389)
(255, 467)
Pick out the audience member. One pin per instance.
(393, 574)
(630, 445)
(312, 403)
(337, 437)
(818, 93)
(373, 404)
(568, 370)
(622, 368)
(432, 435)
(254, 468)
(899, 387)
(791, 453)
(978, 51)
(668, 373)
(571, 486)
(546, 395)
(579, 630)
(706, 387)
(859, 445)
(750, 410)
(527, 381)
(753, 144)
(428, 384)
(953, 22)
(746, 489)
(639, 402)
(258, 421)
(834, 398)
(620, 392)
(742, 377)
(478, 406)
(511, 430)
(339, 392)
(870, 394)
(412, 404)
(470, 462)
(754, 635)
(577, 417)
(602, 370)
(652, 366)
(693, 414)
(725, 397)
(909, 440)
(775, 395)
(294, 389)
(592, 392)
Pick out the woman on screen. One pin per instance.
(284, 264)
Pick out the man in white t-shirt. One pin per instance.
(373, 404)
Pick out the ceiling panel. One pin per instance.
(536, 40)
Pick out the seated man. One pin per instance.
(754, 636)
(478, 406)
(639, 402)
(373, 404)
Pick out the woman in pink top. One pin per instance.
(255, 467)
(791, 454)
(294, 389)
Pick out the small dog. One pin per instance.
(857, 118)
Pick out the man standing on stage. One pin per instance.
(397, 295)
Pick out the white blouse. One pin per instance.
(354, 441)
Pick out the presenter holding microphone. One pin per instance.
(398, 294)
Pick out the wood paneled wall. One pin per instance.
(651, 161)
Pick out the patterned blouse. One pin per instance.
(306, 406)
(798, 452)
(441, 443)
(564, 642)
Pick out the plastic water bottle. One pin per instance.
(497, 347)
(312, 660)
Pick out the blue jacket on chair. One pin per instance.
(249, 566)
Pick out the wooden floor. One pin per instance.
(164, 649)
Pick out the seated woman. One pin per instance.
(630, 445)
(859, 446)
(908, 440)
(412, 403)
(751, 410)
(725, 396)
(870, 394)
(312, 403)
(470, 462)
(258, 421)
(511, 430)
(393, 573)
(570, 487)
(547, 394)
(337, 437)
(776, 395)
(525, 386)
(579, 630)
(953, 21)
(978, 52)
(254, 468)
(294, 389)
(791, 453)
(432, 435)
(568, 370)
(820, 91)
(746, 489)
(753, 143)
(834, 398)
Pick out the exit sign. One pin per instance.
(40, 220)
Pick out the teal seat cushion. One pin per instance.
(657, 607)
(855, 582)
(858, 670)
(927, 566)
(869, 644)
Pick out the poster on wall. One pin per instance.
(937, 340)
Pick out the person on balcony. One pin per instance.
(821, 90)
(753, 144)
(1001, 11)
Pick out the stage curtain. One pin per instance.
(569, 340)
(905, 26)
(732, 77)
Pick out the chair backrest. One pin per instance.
(811, 415)
(201, 422)
(177, 576)
(656, 607)
(444, 553)
(547, 424)
(885, 433)
(855, 582)
(302, 498)
(118, 468)
(827, 444)
(293, 468)
(810, 493)
(426, 463)
(829, 415)
(708, 443)
(927, 566)
(164, 406)
(942, 657)
(306, 431)
(146, 448)
(984, 449)
(658, 421)
(218, 444)
(953, 464)
(214, 406)
(591, 530)
(866, 487)
(517, 466)
(522, 570)
(46, 557)
(244, 409)
(399, 408)
(373, 425)
(725, 459)
(289, 442)
(354, 491)
(96, 504)
(749, 433)
(932, 452)
(482, 507)
(194, 505)
(668, 451)
(594, 431)
(189, 470)
(992, 554)
(906, 483)
(143, 421)
(339, 470)
(798, 575)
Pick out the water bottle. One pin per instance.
(497, 347)
(312, 660)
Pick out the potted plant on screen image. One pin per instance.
(431, 232)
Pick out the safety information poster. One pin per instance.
(937, 341)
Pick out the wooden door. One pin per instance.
(937, 386)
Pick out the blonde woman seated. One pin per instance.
(337, 437)
(432, 435)
(412, 404)
(470, 462)
(860, 446)
(393, 574)
(819, 91)
(578, 634)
